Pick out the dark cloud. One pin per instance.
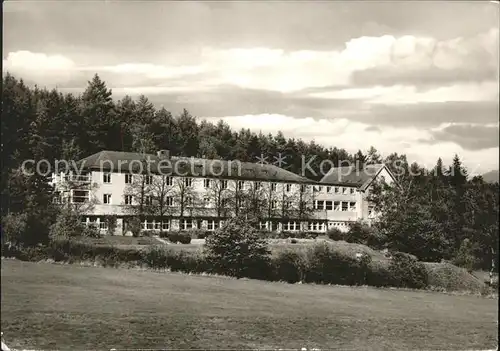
(235, 101)
(141, 30)
(470, 137)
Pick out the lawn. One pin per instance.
(48, 306)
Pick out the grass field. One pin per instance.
(64, 307)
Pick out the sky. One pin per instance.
(418, 78)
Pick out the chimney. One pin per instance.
(163, 154)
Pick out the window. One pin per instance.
(240, 203)
(149, 225)
(352, 206)
(328, 205)
(84, 221)
(336, 205)
(128, 199)
(170, 181)
(273, 186)
(274, 204)
(128, 178)
(241, 185)
(320, 205)
(223, 184)
(291, 226)
(258, 185)
(149, 179)
(169, 200)
(157, 225)
(345, 190)
(189, 201)
(212, 225)
(206, 183)
(316, 226)
(352, 190)
(186, 224)
(80, 196)
(370, 210)
(106, 198)
(106, 178)
(57, 197)
(328, 189)
(103, 225)
(319, 189)
(188, 182)
(165, 225)
(288, 204)
(337, 190)
(262, 225)
(303, 188)
(288, 188)
(148, 200)
(206, 201)
(345, 206)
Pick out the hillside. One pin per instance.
(491, 176)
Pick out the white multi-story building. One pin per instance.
(173, 193)
(342, 195)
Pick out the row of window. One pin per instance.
(335, 190)
(292, 226)
(187, 224)
(335, 205)
(188, 182)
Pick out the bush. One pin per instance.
(13, 228)
(91, 231)
(288, 266)
(376, 240)
(67, 225)
(155, 257)
(179, 237)
(236, 249)
(465, 257)
(149, 233)
(293, 241)
(134, 225)
(407, 272)
(199, 233)
(112, 224)
(327, 266)
(336, 234)
(358, 233)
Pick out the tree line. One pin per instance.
(435, 213)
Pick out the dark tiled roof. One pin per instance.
(117, 161)
(352, 177)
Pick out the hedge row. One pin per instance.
(317, 264)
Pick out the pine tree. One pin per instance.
(97, 110)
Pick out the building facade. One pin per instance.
(173, 193)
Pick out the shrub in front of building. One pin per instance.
(236, 249)
(176, 237)
(336, 234)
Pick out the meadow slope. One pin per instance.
(49, 306)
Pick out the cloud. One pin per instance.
(40, 67)
(418, 144)
(384, 61)
(427, 61)
(468, 136)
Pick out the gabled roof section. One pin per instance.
(350, 176)
(128, 162)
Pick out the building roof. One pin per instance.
(131, 162)
(350, 176)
